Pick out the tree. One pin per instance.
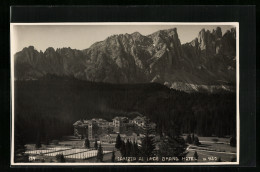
(96, 145)
(86, 143)
(38, 141)
(195, 156)
(189, 139)
(60, 158)
(113, 156)
(172, 146)
(123, 149)
(134, 150)
(196, 141)
(172, 143)
(100, 153)
(19, 146)
(47, 140)
(148, 145)
(233, 142)
(128, 148)
(118, 142)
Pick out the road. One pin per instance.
(210, 156)
(106, 158)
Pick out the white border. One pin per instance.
(236, 24)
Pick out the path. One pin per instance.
(106, 158)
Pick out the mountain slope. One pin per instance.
(205, 64)
(52, 104)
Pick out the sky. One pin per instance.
(83, 36)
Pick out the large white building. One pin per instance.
(139, 121)
(91, 127)
(120, 121)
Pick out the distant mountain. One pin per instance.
(208, 63)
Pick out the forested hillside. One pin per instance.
(51, 105)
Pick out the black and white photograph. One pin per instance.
(125, 93)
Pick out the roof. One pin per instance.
(123, 135)
(93, 120)
(113, 135)
(78, 123)
(102, 120)
(86, 121)
(135, 114)
(119, 118)
(139, 119)
(99, 119)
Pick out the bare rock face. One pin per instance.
(134, 58)
(209, 42)
(217, 33)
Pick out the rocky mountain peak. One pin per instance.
(203, 39)
(215, 43)
(29, 48)
(172, 32)
(135, 58)
(195, 42)
(233, 32)
(50, 53)
(166, 33)
(217, 33)
(136, 34)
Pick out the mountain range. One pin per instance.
(207, 63)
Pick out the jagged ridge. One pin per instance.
(206, 63)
